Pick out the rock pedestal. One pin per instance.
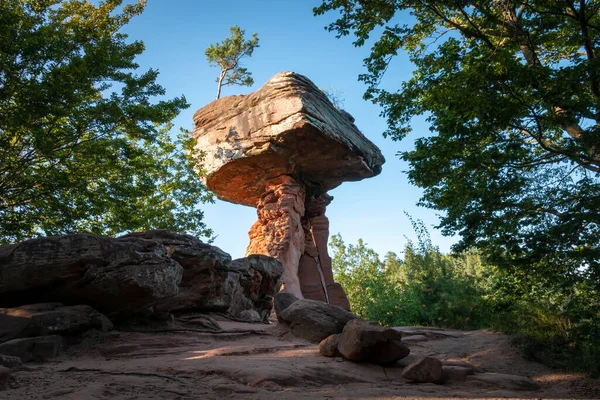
(280, 149)
(278, 232)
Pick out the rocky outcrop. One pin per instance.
(280, 149)
(161, 270)
(251, 285)
(204, 271)
(111, 275)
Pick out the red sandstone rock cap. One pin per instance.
(287, 127)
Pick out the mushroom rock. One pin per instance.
(280, 149)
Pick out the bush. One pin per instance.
(557, 323)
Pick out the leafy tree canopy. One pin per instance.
(227, 55)
(84, 144)
(511, 89)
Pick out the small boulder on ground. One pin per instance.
(368, 341)
(314, 320)
(427, 370)
(329, 346)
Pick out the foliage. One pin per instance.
(511, 89)
(227, 55)
(83, 146)
(557, 325)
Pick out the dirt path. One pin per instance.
(255, 361)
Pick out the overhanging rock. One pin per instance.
(280, 149)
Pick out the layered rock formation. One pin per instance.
(161, 270)
(280, 149)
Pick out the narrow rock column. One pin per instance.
(319, 225)
(310, 274)
(278, 232)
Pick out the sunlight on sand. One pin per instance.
(269, 352)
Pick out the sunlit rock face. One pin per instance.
(280, 149)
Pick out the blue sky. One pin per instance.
(176, 33)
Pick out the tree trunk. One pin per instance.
(220, 83)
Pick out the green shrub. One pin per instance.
(557, 323)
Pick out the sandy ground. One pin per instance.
(258, 361)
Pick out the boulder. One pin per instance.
(39, 348)
(427, 370)
(329, 346)
(252, 284)
(114, 276)
(282, 301)
(10, 361)
(314, 320)
(368, 341)
(50, 319)
(287, 127)
(204, 274)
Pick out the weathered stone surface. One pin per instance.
(112, 275)
(315, 270)
(45, 319)
(287, 127)
(337, 296)
(205, 270)
(329, 346)
(39, 348)
(505, 381)
(278, 232)
(252, 283)
(314, 320)
(10, 361)
(427, 370)
(368, 341)
(158, 269)
(280, 149)
(4, 377)
(282, 301)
